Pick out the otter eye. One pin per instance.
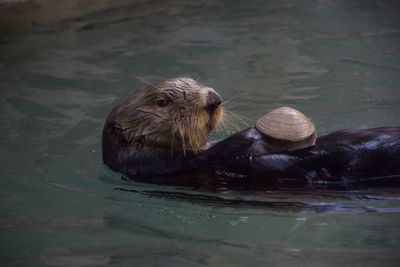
(162, 102)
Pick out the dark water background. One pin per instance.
(337, 61)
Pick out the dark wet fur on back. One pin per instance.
(343, 159)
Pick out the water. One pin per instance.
(337, 61)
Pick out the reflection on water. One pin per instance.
(337, 61)
(286, 201)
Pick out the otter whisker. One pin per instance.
(143, 80)
(228, 100)
(227, 127)
(220, 128)
(239, 118)
(172, 140)
(193, 138)
(229, 123)
(219, 123)
(198, 131)
(182, 139)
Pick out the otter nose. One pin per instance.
(213, 101)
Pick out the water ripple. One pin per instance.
(320, 203)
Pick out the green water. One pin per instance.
(337, 61)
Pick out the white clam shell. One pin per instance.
(287, 124)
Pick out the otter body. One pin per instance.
(162, 129)
(343, 159)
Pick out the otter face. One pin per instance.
(177, 113)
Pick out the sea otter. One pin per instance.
(162, 130)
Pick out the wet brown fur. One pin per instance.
(182, 124)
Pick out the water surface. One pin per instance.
(337, 61)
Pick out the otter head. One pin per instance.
(176, 114)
